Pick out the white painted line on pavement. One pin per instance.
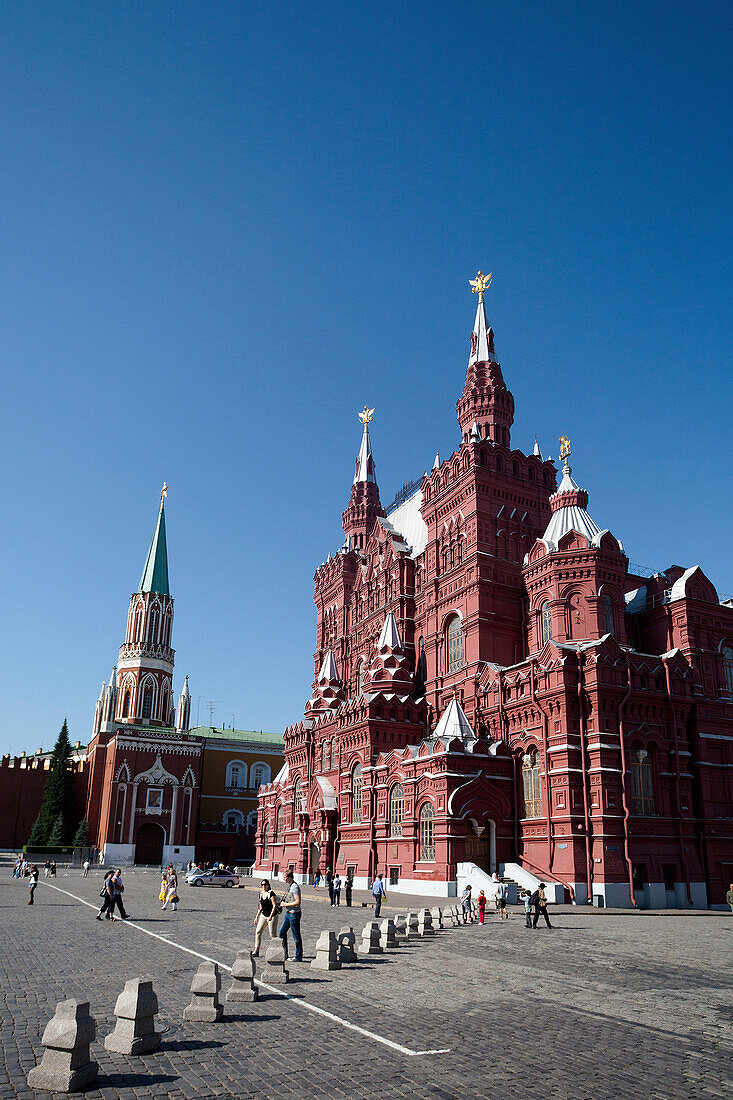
(299, 1001)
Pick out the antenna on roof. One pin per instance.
(211, 704)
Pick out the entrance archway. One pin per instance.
(480, 845)
(314, 859)
(149, 841)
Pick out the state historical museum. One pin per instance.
(495, 689)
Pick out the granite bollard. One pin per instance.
(275, 972)
(387, 936)
(205, 1007)
(66, 1065)
(370, 944)
(412, 931)
(243, 986)
(327, 953)
(437, 915)
(134, 1031)
(347, 946)
(400, 924)
(425, 923)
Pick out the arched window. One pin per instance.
(642, 787)
(126, 705)
(147, 703)
(532, 785)
(427, 832)
(361, 676)
(259, 774)
(298, 794)
(333, 752)
(138, 625)
(153, 627)
(396, 810)
(325, 762)
(546, 616)
(266, 842)
(251, 825)
(233, 821)
(607, 615)
(455, 645)
(728, 668)
(445, 561)
(279, 825)
(164, 707)
(236, 774)
(356, 791)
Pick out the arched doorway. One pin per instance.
(149, 842)
(314, 860)
(480, 847)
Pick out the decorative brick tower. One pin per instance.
(364, 505)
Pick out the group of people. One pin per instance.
(269, 909)
(111, 895)
(169, 888)
(535, 903)
(334, 885)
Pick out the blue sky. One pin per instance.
(226, 227)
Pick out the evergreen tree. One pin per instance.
(82, 838)
(58, 793)
(58, 833)
(38, 832)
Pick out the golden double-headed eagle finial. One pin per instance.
(480, 284)
(565, 451)
(366, 416)
(164, 492)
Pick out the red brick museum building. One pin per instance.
(494, 689)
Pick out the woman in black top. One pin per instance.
(266, 915)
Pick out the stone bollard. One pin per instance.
(347, 946)
(400, 924)
(455, 916)
(370, 944)
(387, 936)
(243, 986)
(134, 1032)
(412, 931)
(275, 972)
(425, 923)
(205, 1007)
(66, 1065)
(437, 915)
(327, 953)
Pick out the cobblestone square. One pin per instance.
(607, 1004)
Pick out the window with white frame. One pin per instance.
(233, 820)
(236, 774)
(427, 832)
(396, 810)
(532, 785)
(455, 645)
(259, 775)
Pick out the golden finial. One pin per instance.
(163, 493)
(480, 284)
(565, 451)
(366, 416)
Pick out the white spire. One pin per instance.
(482, 338)
(365, 462)
(453, 723)
(328, 669)
(537, 452)
(183, 716)
(184, 690)
(390, 635)
(436, 464)
(475, 433)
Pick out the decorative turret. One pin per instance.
(364, 506)
(110, 698)
(486, 401)
(453, 723)
(388, 671)
(569, 507)
(183, 717)
(328, 692)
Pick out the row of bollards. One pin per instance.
(67, 1065)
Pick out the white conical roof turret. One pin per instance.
(482, 337)
(475, 433)
(436, 464)
(329, 671)
(390, 636)
(537, 452)
(184, 690)
(569, 506)
(365, 461)
(453, 723)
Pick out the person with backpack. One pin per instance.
(171, 894)
(527, 909)
(107, 896)
(379, 894)
(502, 894)
(539, 900)
(466, 904)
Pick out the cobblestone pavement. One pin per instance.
(608, 1004)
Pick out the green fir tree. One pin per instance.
(58, 793)
(38, 832)
(82, 838)
(58, 834)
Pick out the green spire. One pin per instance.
(155, 573)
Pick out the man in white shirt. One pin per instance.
(291, 919)
(502, 893)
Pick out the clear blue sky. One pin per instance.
(227, 226)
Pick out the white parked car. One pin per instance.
(212, 878)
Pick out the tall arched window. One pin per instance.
(164, 707)
(266, 842)
(607, 615)
(233, 821)
(427, 832)
(259, 774)
(236, 774)
(532, 785)
(361, 676)
(147, 703)
(356, 792)
(546, 614)
(455, 645)
(396, 810)
(138, 625)
(728, 668)
(333, 752)
(153, 627)
(279, 825)
(126, 705)
(642, 786)
(298, 794)
(325, 762)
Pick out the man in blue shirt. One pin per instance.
(378, 893)
(291, 905)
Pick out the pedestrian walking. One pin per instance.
(348, 888)
(266, 915)
(86, 865)
(329, 884)
(527, 909)
(729, 897)
(18, 867)
(466, 904)
(32, 883)
(317, 881)
(172, 891)
(47, 868)
(540, 906)
(502, 895)
(291, 919)
(118, 890)
(379, 894)
(53, 868)
(163, 886)
(107, 895)
(481, 906)
(337, 890)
